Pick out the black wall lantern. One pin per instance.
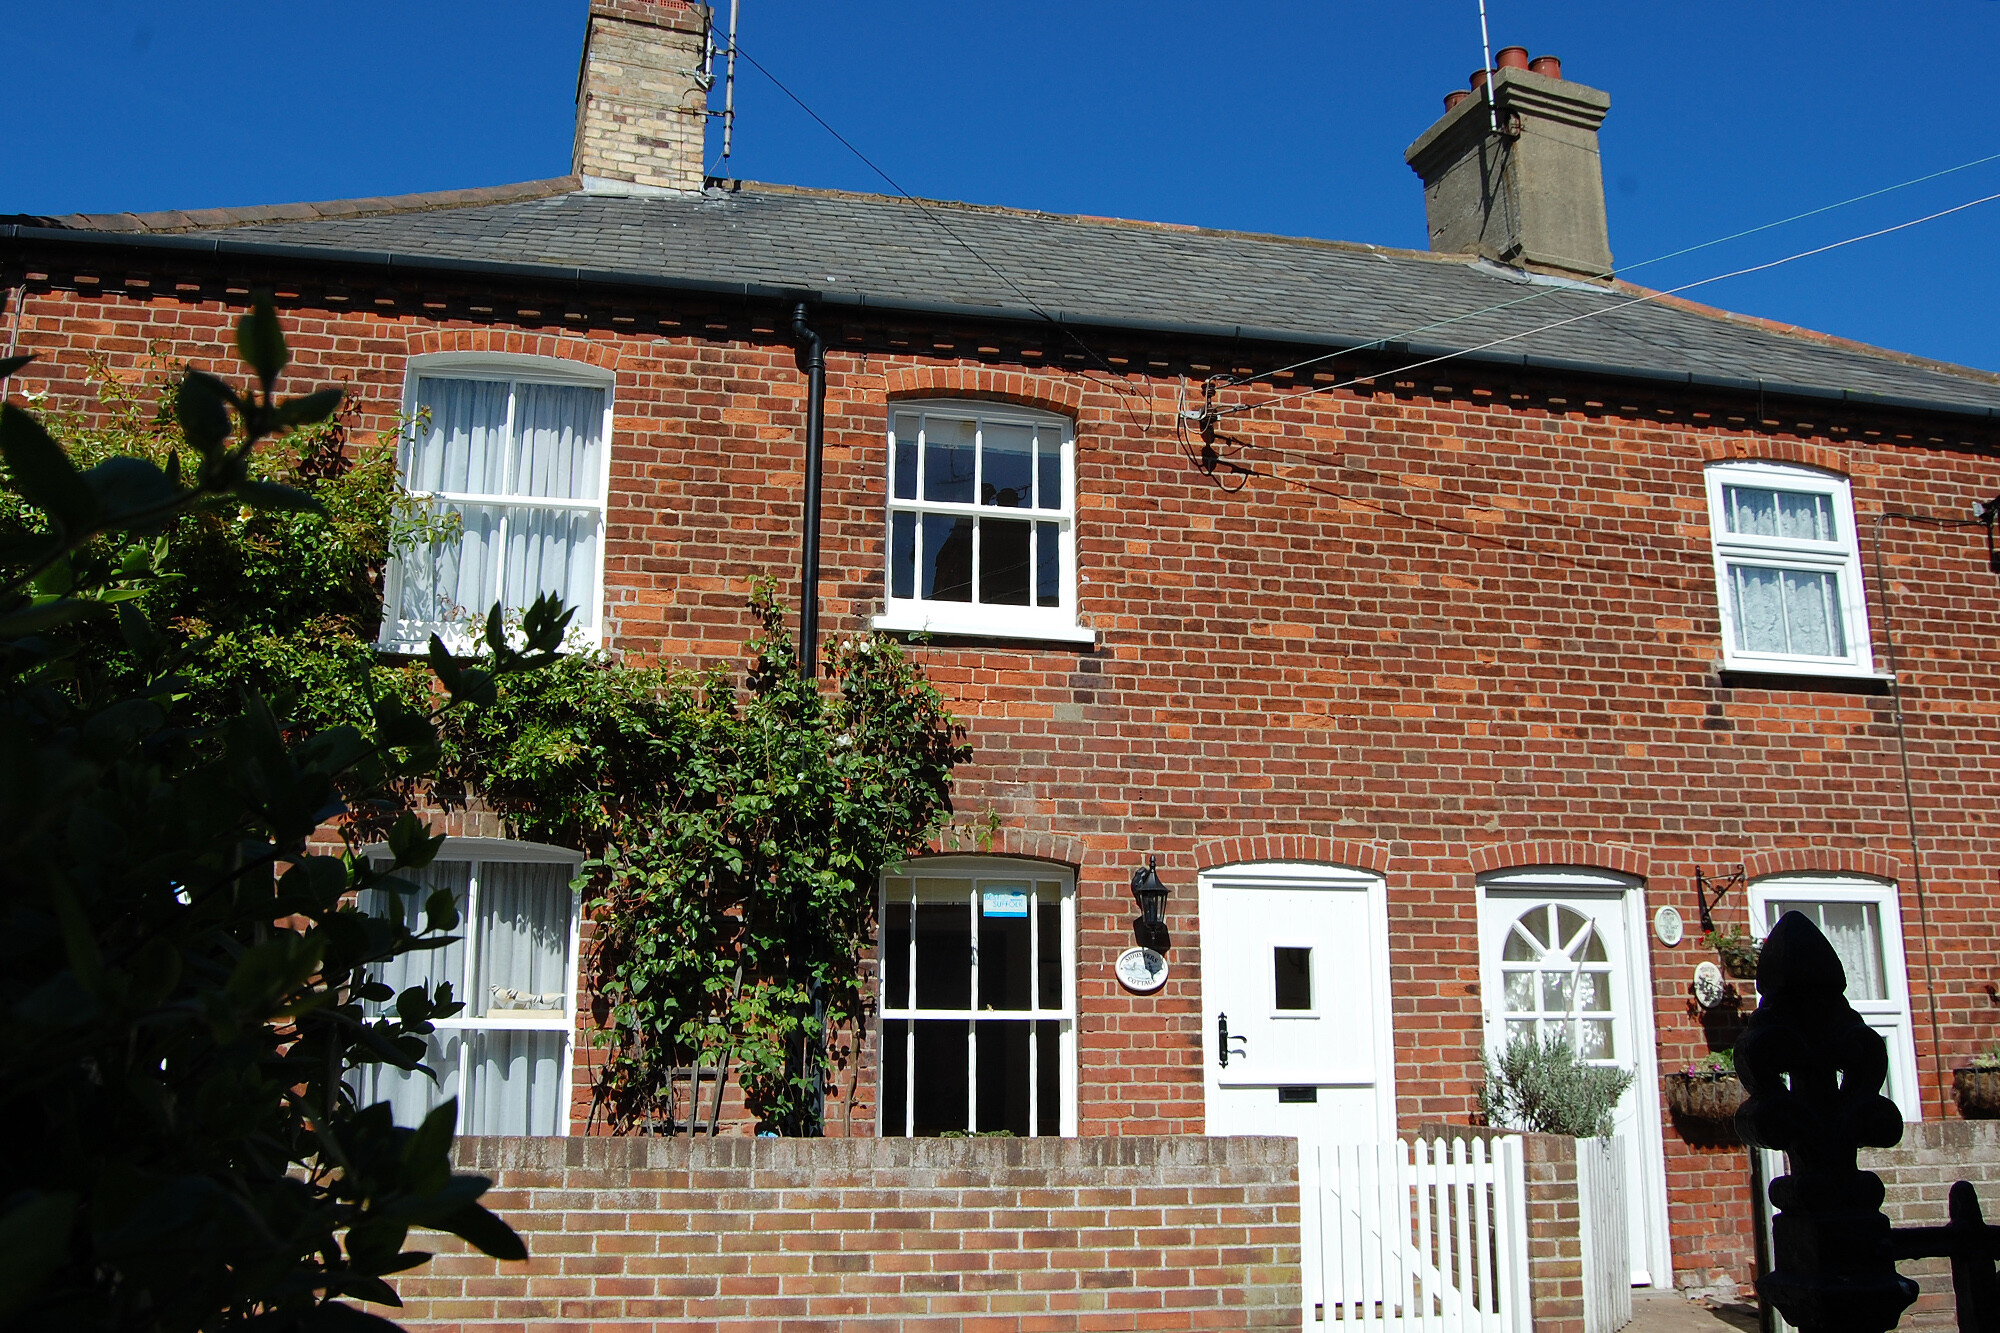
(1151, 895)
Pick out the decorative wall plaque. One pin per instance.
(1141, 970)
(1667, 927)
(1708, 985)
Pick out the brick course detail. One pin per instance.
(790, 1235)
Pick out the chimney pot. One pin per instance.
(1549, 67)
(1512, 57)
(1454, 97)
(1478, 80)
(641, 110)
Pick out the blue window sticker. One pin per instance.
(1003, 902)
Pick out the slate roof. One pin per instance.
(874, 250)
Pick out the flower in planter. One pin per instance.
(1715, 1065)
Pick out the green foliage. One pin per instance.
(1544, 1087)
(740, 831)
(1738, 951)
(1986, 1059)
(280, 600)
(1714, 1065)
(185, 985)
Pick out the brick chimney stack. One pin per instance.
(641, 107)
(1531, 195)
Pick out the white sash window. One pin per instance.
(1861, 919)
(506, 1055)
(509, 458)
(978, 1014)
(981, 522)
(1788, 570)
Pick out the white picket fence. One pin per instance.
(1602, 1223)
(1416, 1238)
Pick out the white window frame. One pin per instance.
(977, 872)
(1891, 1017)
(1840, 558)
(514, 369)
(974, 618)
(484, 851)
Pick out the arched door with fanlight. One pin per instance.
(1563, 952)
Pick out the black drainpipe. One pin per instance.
(813, 1123)
(815, 350)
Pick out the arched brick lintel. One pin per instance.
(1824, 860)
(1747, 449)
(1047, 392)
(1028, 844)
(1602, 856)
(561, 347)
(1272, 847)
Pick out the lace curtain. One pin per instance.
(1855, 931)
(1791, 611)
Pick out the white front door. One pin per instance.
(1563, 950)
(1295, 1016)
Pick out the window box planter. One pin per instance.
(1977, 1092)
(1712, 1099)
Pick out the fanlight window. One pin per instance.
(1556, 977)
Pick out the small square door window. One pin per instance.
(1292, 972)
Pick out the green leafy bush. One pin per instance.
(185, 985)
(1544, 1087)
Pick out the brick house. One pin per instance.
(1497, 604)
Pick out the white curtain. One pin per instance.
(411, 1095)
(422, 967)
(558, 433)
(524, 912)
(1799, 516)
(517, 1084)
(1855, 932)
(553, 551)
(1792, 611)
(554, 450)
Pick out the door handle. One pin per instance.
(1222, 1040)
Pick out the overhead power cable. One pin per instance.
(1540, 292)
(1238, 409)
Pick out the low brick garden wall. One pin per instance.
(1917, 1175)
(858, 1234)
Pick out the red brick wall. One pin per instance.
(1489, 627)
(944, 1234)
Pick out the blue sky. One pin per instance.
(1289, 116)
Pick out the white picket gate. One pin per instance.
(1416, 1238)
(1602, 1223)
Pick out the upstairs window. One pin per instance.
(1788, 570)
(507, 458)
(982, 512)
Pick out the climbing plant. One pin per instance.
(740, 827)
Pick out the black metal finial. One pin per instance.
(1815, 1072)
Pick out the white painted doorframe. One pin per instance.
(1516, 888)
